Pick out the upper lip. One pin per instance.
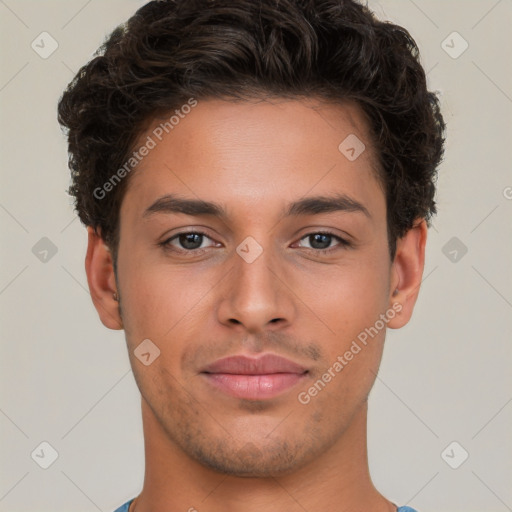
(243, 365)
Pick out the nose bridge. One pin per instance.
(256, 295)
(254, 266)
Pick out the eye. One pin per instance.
(321, 242)
(187, 241)
(196, 242)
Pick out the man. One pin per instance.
(256, 177)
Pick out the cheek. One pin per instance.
(351, 308)
(352, 296)
(351, 304)
(159, 300)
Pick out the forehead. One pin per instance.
(253, 154)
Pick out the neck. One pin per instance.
(337, 480)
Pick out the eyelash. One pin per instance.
(166, 243)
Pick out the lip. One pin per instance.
(254, 378)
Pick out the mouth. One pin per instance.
(249, 378)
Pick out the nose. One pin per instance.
(255, 295)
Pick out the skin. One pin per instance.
(208, 451)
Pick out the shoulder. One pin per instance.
(126, 506)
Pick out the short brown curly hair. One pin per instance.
(172, 50)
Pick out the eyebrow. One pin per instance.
(314, 205)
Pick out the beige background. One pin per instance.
(446, 377)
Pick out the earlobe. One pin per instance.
(101, 279)
(407, 272)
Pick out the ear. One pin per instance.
(101, 279)
(406, 273)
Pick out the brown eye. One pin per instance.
(190, 240)
(322, 241)
(187, 241)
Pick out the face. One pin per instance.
(253, 254)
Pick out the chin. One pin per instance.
(250, 461)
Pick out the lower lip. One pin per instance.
(254, 387)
